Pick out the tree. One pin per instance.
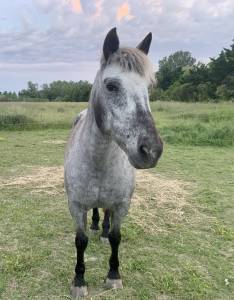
(172, 67)
(222, 66)
(58, 91)
(31, 91)
(196, 74)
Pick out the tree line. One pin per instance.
(179, 78)
(55, 91)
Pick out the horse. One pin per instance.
(112, 138)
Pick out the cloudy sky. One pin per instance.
(46, 40)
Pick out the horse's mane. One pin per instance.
(132, 60)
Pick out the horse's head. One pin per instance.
(121, 100)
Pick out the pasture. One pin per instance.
(177, 241)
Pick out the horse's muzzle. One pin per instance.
(148, 153)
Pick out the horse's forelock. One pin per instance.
(132, 60)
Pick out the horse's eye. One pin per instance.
(112, 87)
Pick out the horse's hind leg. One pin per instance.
(79, 287)
(113, 280)
(105, 226)
(95, 220)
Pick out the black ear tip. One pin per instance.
(113, 31)
(149, 36)
(145, 43)
(111, 43)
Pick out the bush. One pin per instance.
(199, 134)
(155, 94)
(182, 92)
(225, 91)
(15, 121)
(204, 91)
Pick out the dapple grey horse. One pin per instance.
(109, 140)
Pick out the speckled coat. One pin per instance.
(109, 140)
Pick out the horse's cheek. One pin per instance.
(100, 115)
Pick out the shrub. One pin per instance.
(182, 92)
(15, 121)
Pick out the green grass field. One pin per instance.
(177, 242)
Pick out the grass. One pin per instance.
(177, 240)
(196, 124)
(40, 115)
(179, 123)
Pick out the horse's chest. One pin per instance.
(116, 188)
(111, 187)
(103, 184)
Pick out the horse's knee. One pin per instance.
(81, 241)
(105, 225)
(114, 238)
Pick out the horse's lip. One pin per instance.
(140, 164)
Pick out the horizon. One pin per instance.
(49, 40)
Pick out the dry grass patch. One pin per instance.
(153, 192)
(47, 180)
(55, 142)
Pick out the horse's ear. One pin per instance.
(111, 43)
(145, 44)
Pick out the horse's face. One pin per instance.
(122, 111)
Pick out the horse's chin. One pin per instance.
(140, 164)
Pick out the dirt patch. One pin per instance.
(156, 199)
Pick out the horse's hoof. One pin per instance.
(104, 240)
(78, 292)
(114, 284)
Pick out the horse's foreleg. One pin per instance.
(79, 287)
(105, 226)
(95, 220)
(113, 279)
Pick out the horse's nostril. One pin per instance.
(144, 151)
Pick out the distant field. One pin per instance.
(39, 115)
(180, 123)
(178, 240)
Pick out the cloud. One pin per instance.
(76, 6)
(123, 11)
(98, 8)
(69, 34)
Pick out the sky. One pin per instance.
(47, 40)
